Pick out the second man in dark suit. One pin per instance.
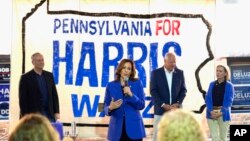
(37, 91)
(168, 89)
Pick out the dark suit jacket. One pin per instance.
(30, 95)
(160, 91)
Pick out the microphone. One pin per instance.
(126, 81)
(126, 84)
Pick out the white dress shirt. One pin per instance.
(169, 77)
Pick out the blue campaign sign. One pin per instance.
(4, 110)
(4, 101)
(4, 73)
(242, 95)
(240, 74)
(4, 92)
(241, 99)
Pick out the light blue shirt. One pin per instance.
(169, 77)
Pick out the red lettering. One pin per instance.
(167, 27)
(158, 27)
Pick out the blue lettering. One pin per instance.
(87, 48)
(92, 107)
(145, 113)
(107, 62)
(125, 28)
(101, 26)
(57, 24)
(83, 26)
(85, 101)
(68, 59)
(139, 67)
(108, 32)
(117, 29)
(176, 46)
(153, 63)
(92, 26)
(74, 26)
(102, 114)
(147, 29)
(65, 25)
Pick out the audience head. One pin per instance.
(179, 125)
(34, 127)
(67, 138)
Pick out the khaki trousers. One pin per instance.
(218, 129)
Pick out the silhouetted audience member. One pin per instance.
(179, 125)
(34, 127)
(67, 138)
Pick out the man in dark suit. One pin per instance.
(168, 89)
(37, 91)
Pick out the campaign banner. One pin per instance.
(83, 42)
(240, 77)
(4, 72)
(241, 101)
(4, 110)
(240, 74)
(83, 50)
(4, 101)
(4, 92)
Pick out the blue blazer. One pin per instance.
(130, 110)
(227, 101)
(160, 91)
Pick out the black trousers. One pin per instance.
(50, 118)
(124, 136)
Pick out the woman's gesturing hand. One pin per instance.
(115, 104)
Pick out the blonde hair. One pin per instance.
(67, 139)
(34, 127)
(179, 125)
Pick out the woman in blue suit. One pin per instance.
(219, 100)
(124, 98)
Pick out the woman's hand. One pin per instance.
(115, 104)
(215, 114)
(127, 91)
